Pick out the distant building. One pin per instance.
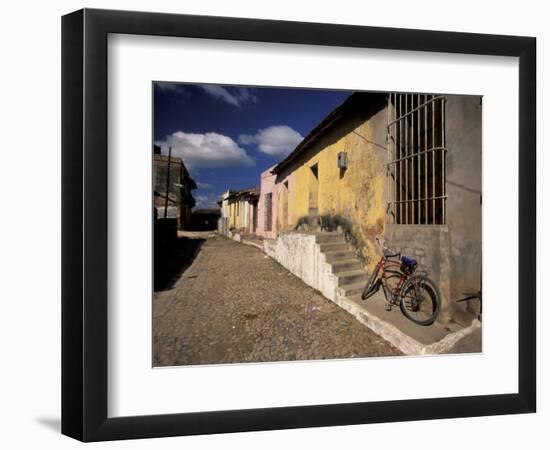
(205, 219)
(178, 201)
(239, 211)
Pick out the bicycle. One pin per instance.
(416, 294)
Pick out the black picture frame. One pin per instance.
(84, 224)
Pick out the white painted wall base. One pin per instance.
(301, 255)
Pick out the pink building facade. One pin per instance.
(267, 206)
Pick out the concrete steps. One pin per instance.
(344, 265)
(338, 255)
(351, 277)
(334, 247)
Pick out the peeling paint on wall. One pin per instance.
(339, 197)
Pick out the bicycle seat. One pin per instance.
(408, 265)
(408, 261)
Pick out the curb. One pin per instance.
(399, 339)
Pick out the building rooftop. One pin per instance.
(354, 103)
(164, 158)
(244, 193)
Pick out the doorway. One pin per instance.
(313, 197)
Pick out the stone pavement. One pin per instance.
(234, 304)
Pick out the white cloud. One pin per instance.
(206, 201)
(277, 140)
(204, 185)
(206, 150)
(236, 96)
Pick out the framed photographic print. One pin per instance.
(273, 224)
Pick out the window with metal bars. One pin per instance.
(416, 167)
(267, 212)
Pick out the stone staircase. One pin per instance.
(346, 267)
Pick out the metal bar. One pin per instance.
(395, 186)
(393, 133)
(443, 161)
(433, 162)
(406, 161)
(390, 153)
(425, 162)
(413, 209)
(427, 102)
(167, 183)
(437, 197)
(395, 169)
(388, 175)
(400, 165)
(444, 149)
(418, 160)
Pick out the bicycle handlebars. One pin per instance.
(391, 255)
(386, 252)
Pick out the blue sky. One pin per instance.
(228, 135)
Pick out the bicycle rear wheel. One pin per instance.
(420, 300)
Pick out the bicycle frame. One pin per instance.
(409, 292)
(387, 267)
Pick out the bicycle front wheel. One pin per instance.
(420, 300)
(372, 285)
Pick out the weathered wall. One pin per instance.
(464, 178)
(180, 188)
(267, 186)
(223, 226)
(235, 214)
(240, 214)
(252, 216)
(172, 212)
(354, 196)
(224, 209)
(429, 245)
(160, 173)
(452, 253)
(247, 216)
(232, 213)
(301, 255)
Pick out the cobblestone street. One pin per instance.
(235, 304)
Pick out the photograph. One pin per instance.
(297, 224)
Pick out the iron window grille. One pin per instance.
(267, 212)
(416, 165)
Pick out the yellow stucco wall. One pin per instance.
(234, 214)
(356, 194)
(239, 214)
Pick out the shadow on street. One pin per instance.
(172, 258)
